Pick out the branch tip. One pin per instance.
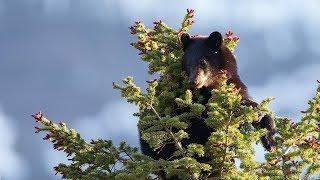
(38, 116)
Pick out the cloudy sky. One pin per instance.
(61, 56)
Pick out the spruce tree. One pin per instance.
(295, 156)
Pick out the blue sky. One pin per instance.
(61, 56)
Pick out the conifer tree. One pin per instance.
(295, 156)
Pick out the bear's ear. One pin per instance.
(215, 40)
(185, 40)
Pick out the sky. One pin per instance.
(61, 57)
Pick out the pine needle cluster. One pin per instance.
(230, 146)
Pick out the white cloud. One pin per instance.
(56, 7)
(251, 14)
(114, 121)
(281, 44)
(291, 90)
(12, 165)
(2, 8)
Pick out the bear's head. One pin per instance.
(204, 58)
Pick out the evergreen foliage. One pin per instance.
(296, 155)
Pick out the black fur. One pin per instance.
(219, 59)
(213, 57)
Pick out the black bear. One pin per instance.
(205, 58)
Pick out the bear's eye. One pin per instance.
(203, 63)
(214, 52)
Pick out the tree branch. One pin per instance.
(177, 143)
